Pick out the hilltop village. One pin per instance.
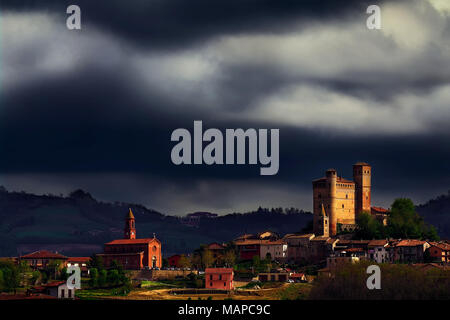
(248, 262)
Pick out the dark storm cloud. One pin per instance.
(99, 115)
(178, 23)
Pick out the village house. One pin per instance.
(277, 250)
(321, 248)
(407, 251)
(219, 278)
(273, 276)
(41, 259)
(248, 248)
(81, 262)
(217, 251)
(56, 289)
(173, 261)
(439, 252)
(298, 247)
(377, 251)
(335, 262)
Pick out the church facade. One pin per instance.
(337, 201)
(133, 253)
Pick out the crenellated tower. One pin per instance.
(361, 176)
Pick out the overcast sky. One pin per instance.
(95, 108)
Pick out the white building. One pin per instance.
(378, 251)
(277, 249)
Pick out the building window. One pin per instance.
(210, 284)
(210, 277)
(342, 206)
(220, 277)
(224, 284)
(62, 293)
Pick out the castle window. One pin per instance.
(342, 206)
(346, 196)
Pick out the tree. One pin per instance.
(35, 277)
(405, 222)
(207, 258)
(63, 274)
(102, 278)
(113, 277)
(93, 281)
(367, 227)
(184, 262)
(96, 262)
(53, 268)
(1, 280)
(196, 260)
(10, 275)
(229, 258)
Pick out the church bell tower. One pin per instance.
(130, 229)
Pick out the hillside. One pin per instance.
(79, 224)
(437, 213)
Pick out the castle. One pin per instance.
(338, 201)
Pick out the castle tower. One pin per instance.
(361, 175)
(331, 177)
(323, 222)
(130, 228)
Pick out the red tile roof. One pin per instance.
(54, 284)
(379, 210)
(260, 242)
(441, 245)
(43, 254)
(378, 243)
(219, 270)
(132, 241)
(410, 243)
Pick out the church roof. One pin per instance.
(130, 214)
(132, 241)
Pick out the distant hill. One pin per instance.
(437, 213)
(78, 224)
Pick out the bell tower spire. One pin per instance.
(130, 229)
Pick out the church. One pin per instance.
(130, 252)
(337, 201)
